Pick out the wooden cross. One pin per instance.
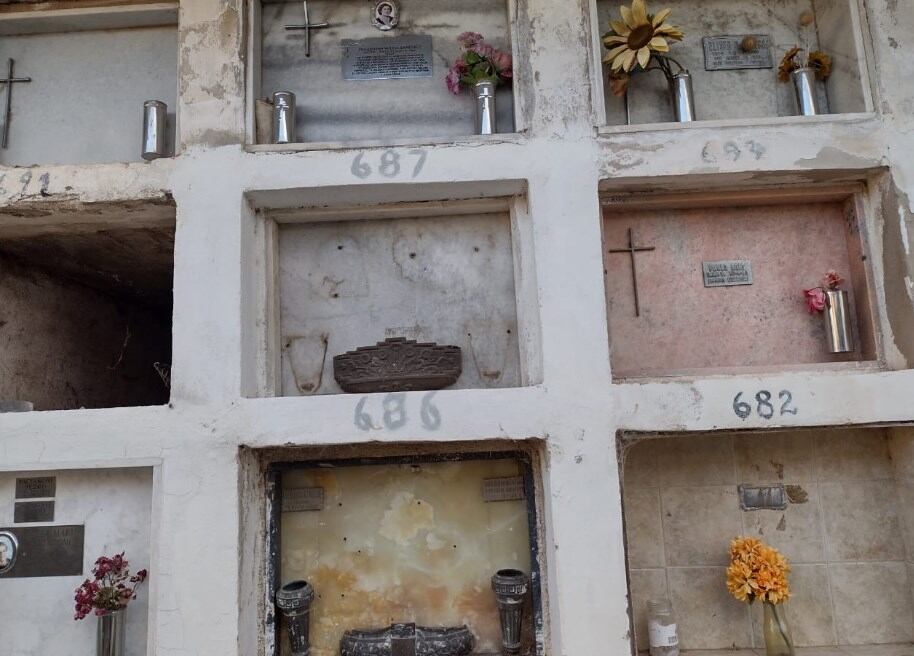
(631, 250)
(307, 27)
(9, 100)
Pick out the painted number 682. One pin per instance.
(763, 406)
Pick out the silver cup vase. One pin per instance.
(682, 97)
(485, 107)
(804, 89)
(837, 314)
(111, 633)
(511, 587)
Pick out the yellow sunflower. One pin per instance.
(637, 36)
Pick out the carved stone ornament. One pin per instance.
(408, 640)
(398, 365)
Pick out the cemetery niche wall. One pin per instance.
(85, 310)
(372, 71)
(81, 81)
(381, 546)
(732, 53)
(716, 283)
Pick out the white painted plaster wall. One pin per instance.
(198, 584)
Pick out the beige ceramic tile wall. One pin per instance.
(843, 533)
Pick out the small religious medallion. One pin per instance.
(386, 15)
(9, 549)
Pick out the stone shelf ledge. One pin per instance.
(760, 122)
(469, 140)
(903, 649)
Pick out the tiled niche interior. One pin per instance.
(750, 93)
(848, 532)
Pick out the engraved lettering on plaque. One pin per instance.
(302, 499)
(28, 512)
(385, 58)
(503, 489)
(725, 53)
(47, 551)
(40, 487)
(727, 273)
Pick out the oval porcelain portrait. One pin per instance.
(9, 548)
(386, 15)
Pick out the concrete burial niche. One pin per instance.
(332, 109)
(752, 92)
(111, 509)
(687, 327)
(846, 529)
(444, 279)
(90, 75)
(387, 543)
(85, 309)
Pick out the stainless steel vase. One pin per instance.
(804, 87)
(155, 116)
(294, 600)
(485, 107)
(283, 117)
(837, 315)
(682, 97)
(110, 634)
(511, 587)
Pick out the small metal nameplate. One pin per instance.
(764, 497)
(41, 487)
(47, 551)
(724, 53)
(727, 273)
(28, 512)
(503, 489)
(384, 58)
(302, 499)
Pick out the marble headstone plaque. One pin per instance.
(47, 551)
(302, 499)
(39, 487)
(727, 273)
(386, 58)
(27, 512)
(723, 53)
(503, 489)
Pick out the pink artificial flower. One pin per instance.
(815, 299)
(502, 62)
(453, 80)
(484, 50)
(832, 280)
(469, 40)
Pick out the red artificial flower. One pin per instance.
(832, 280)
(816, 300)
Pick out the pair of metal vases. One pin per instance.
(510, 586)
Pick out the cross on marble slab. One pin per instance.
(307, 27)
(631, 250)
(9, 100)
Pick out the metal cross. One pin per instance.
(9, 100)
(631, 250)
(307, 27)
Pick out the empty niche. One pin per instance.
(85, 312)
(723, 90)
(443, 279)
(841, 527)
(90, 75)
(689, 322)
(384, 542)
(331, 108)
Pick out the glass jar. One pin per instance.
(776, 630)
(661, 628)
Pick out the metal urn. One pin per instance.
(283, 117)
(682, 97)
(511, 587)
(294, 601)
(804, 87)
(838, 329)
(110, 634)
(485, 107)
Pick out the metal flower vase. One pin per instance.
(511, 587)
(778, 641)
(485, 107)
(837, 315)
(111, 633)
(294, 601)
(804, 87)
(682, 97)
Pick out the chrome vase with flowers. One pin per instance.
(834, 306)
(640, 42)
(482, 68)
(106, 596)
(804, 67)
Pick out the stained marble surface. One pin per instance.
(330, 108)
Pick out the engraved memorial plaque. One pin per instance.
(727, 273)
(503, 489)
(47, 551)
(40, 487)
(765, 497)
(27, 512)
(302, 499)
(385, 58)
(725, 53)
